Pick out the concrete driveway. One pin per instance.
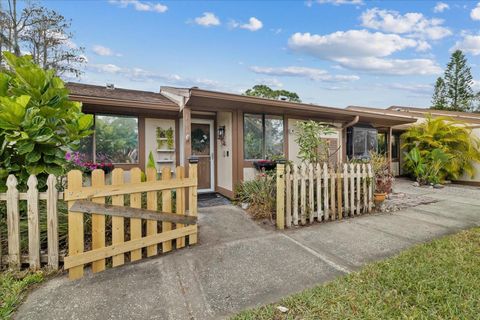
(239, 265)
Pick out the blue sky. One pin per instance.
(331, 52)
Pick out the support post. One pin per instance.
(187, 134)
(390, 144)
(192, 198)
(281, 194)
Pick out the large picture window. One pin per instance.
(115, 140)
(262, 136)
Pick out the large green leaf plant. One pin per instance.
(440, 148)
(38, 121)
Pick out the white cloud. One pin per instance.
(469, 43)
(419, 89)
(400, 67)
(207, 19)
(253, 24)
(354, 43)
(365, 51)
(440, 7)
(104, 51)
(271, 82)
(412, 23)
(304, 72)
(108, 68)
(475, 13)
(140, 5)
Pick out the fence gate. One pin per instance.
(109, 224)
(314, 192)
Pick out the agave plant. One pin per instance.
(457, 149)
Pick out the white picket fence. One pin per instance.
(309, 192)
(12, 197)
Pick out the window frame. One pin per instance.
(264, 144)
(94, 137)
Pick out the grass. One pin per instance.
(13, 287)
(437, 280)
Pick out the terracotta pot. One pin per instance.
(379, 196)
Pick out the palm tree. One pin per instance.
(452, 137)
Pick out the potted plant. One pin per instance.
(383, 186)
(169, 136)
(382, 176)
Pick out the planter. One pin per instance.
(264, 165)
(379, 197)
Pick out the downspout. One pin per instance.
(344, 134)
(351, 123)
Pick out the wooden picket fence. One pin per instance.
(309, 193)
(12, 197)
(136, 232)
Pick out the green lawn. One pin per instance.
(437, 280)
(13, 287)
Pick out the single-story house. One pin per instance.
(226, 131)
(472, 120)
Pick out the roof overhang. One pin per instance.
(200, 99)
(98, 101)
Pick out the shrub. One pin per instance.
(312, 147)
(38, 122)
(259, 194)
(454, 142)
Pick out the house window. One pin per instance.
(115, 140)
(360, 141)
(262, 136)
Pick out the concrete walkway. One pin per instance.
(239, 265)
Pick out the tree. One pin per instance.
(439, 99)
(44, 34)
(453, 138)
(263, 91)
(38, 122)
(49, 43)
(458, 83)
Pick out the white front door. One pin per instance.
(202, 141)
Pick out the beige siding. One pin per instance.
(224, 152)
(151, 141)
(249, 174)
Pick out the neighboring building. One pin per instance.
(472, 120)
(227, 132)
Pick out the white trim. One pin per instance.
(212, 152)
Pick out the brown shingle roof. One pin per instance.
(78, 90)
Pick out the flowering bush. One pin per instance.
(77, 161)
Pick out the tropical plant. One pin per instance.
(38, 122)
(426, 168)
(313, 148)
(454, 142)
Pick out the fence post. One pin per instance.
(13, 223)
(75, 224)
(281, 194)
(339, 193)
(192, 198)
(52, 222)
(33, 223)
